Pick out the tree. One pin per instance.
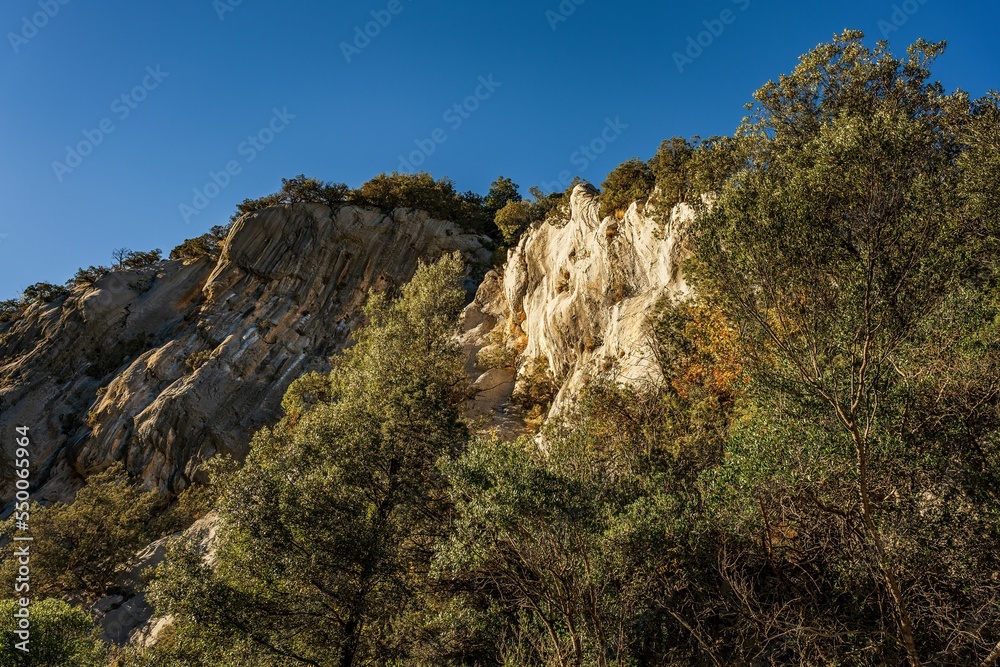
(61, 636)
(326, 531)
(503, 191)
(80, 548)
(137, 259)
(631, 181)
(298, 190)
(671, 169)
(42, 293)
(839, 251)
(206, 246)
(88, 277)
(513, 219)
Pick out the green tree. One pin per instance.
(631, 181)
(503, 191)
(327, 529)
(80, 548)
(206, 246)
(514, 219)
(298, 190)
(671, 170)
(61, 636)
(840, 251)
(43, 293)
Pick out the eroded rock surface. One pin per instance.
(573, 300)
(165, 367)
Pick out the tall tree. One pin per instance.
(326, 529)
(841, 250)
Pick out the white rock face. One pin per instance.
(576, 293)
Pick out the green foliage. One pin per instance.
(686, 169)
(514, 219)
(184, 644)
(536, 390)
(503, 191)
(89, 276)
(298, 190)
(206, 246)
(10, 310)
(671, 169)
(43, 293)
(391, 191)
(631, 181)
(843, 254)
(61, 636)
(517, 215)
(327, 528)
(79, 548)
(198, 359)
(811, 478)
(420, 191)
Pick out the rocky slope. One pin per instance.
(164, 367)
(573, 300)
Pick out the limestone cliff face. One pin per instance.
(167, 366)
(574, 298)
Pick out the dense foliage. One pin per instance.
(79, 548)
(421, 191)
(631, 181)
(61, 636)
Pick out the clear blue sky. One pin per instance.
(558, 87)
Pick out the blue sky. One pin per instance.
(210, 84)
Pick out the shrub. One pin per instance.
(502, 192)
(536, 389)
(89, 276)
(10, 310)
(198, 359)
(298, 190)
(80, 548)
(206, 246)
(687, 169)
(514, 219)
(43, 293)
(517, 215)
(631, 181)
(137, 259)
(60, 635)
(671, 169)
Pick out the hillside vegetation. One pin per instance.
(814, 481)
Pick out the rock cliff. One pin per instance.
(573, 299)
(164, 367)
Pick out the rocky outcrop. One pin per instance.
(167, 366)
(127, 617)
(573, 300)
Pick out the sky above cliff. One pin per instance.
(135, 124)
